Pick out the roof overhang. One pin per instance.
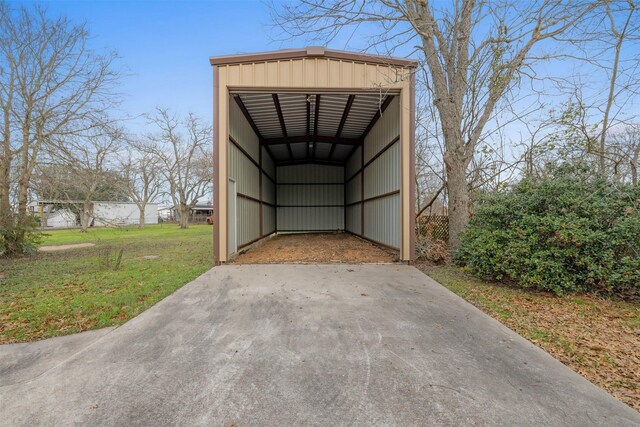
(312, 52)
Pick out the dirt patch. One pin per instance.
(64, 247)
(596, 337)
(316, 248)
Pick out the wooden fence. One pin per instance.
(433, 227)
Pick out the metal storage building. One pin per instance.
(313, 140)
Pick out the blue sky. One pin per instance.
(165, 45)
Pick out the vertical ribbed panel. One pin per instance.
(309, 173)
(310, 195)
(310, 218)
(308, 207)
(354, 162)
(248, 224)
(241, 131)
(268, 190)
(382, 220)
(383, 175)
(244, 172)
(382, 216)
(267, 164)
(268, 219)
(385, 129)
(353, 219)
(353, 190)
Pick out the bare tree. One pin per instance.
(475, 53)
(183, 151)
(624, 153)
(79, 169)
(621, 25)
(142, 177)
(51, 85)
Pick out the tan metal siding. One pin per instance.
(267, 164)
(315, 73)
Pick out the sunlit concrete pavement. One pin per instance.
(300, 345)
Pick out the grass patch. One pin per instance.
(64, 292)
(598, 338)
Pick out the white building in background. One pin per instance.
(62, 218)
(53, 215)
(122, 213)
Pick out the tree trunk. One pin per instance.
(141, 219)
(184, 216)
(458, 201)
(87, 209)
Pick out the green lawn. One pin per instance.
(596, 337)
(59, 293)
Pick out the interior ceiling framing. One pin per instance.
(311, 128)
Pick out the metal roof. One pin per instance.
(312, 52)
(311, 128)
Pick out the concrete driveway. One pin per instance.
(300, 345)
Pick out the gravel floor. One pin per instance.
(316, 248)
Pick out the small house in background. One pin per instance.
(199, 213)
(63, 213)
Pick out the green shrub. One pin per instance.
(567, 233)
(18, 236)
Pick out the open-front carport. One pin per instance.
(313, 140)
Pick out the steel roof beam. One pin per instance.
(276, 102)
(314, 138)
(343, 120)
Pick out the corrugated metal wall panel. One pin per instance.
(310, 219)
(383, 175)
(268, 219)
(353, 190)
(354, 163)
(382, 220)
(268, 190)
(315, 72)
(248, 224)
(310, 195)
(353, 219)
(309, 173)
(385, 129)
(244, 172)
(241, 131)
(382, 217)
(267, 164)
